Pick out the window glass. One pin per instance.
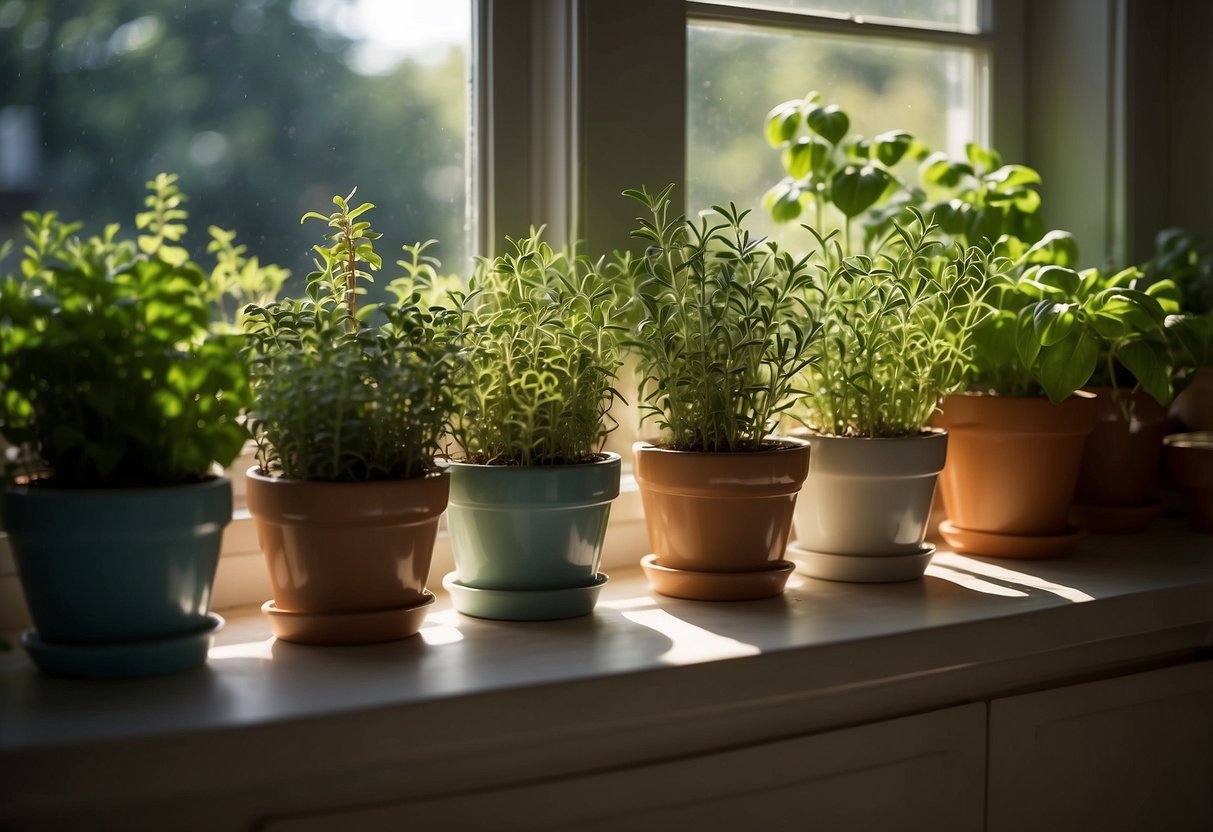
(265, 108)
(957, 15)
(737, 74)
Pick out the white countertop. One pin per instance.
(1143, 582)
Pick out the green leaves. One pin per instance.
(896, 332)
(111, 370)
(724, 327)
(829, 122)
(542, 328)
(855, 189)
(347, 393)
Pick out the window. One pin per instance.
(265, 108)
(914, 66)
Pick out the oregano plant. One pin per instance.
(346, 393)
(543, 351)
(725, 328)
(112, 369)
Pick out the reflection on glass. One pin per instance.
(735, 75)
(957, 15)
(266, 108)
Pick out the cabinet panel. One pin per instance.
(1130, 753)
(922, 772)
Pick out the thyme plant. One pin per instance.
(112, 371)
(896, 332)
(725, 328)
(347, 393)
(543, 354)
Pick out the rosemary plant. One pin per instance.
(343, 393)
(725, 328)
(896, 332)
(543, 354)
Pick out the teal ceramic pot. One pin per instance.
(516, 528)
(117, 565)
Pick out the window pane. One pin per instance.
(266, 108)
(957, 15)
(737, 74)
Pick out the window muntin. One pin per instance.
(954, 15)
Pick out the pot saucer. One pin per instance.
(1024, 546)
(370, 627)
(523, 604)
(126, 659)
(716, 586)
(1115, 519)
(868, 569)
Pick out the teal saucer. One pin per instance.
(523, 604)
(123, 660)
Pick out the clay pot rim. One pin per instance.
(787, 443)
(1190, 440)
(611, 457)
(23, 487)
(254, 473)
(1081, 393)
(927, 433)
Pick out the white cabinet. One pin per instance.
(924, 772)
(1131, 753)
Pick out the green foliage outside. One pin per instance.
(254, 104)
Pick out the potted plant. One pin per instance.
(895, 339)
(1142, 341)
(1017, 437)
(1187, 261)
(118, 398)
(826, 166)
(531, 490)
(725, 331)
(350, 406)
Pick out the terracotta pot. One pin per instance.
(862, 515)
(1194, 406)
(348, 547)
(1013, 462)
(720, 512)
(1120, 465)
(1190, 462)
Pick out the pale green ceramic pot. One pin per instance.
(530, 528)
(120, 564)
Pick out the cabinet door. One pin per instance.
(1132, 753)
(922, 772)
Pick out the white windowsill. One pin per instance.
(642, 676)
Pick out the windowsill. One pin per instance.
(824, 654)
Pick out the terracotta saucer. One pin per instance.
(523, 604)
(347, 627)
(1115, 519)
(969, 542)
(123, 660)
(716, 586)
(868, 569)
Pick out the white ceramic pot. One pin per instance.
(862, 514)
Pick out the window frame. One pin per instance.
(564, 91)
